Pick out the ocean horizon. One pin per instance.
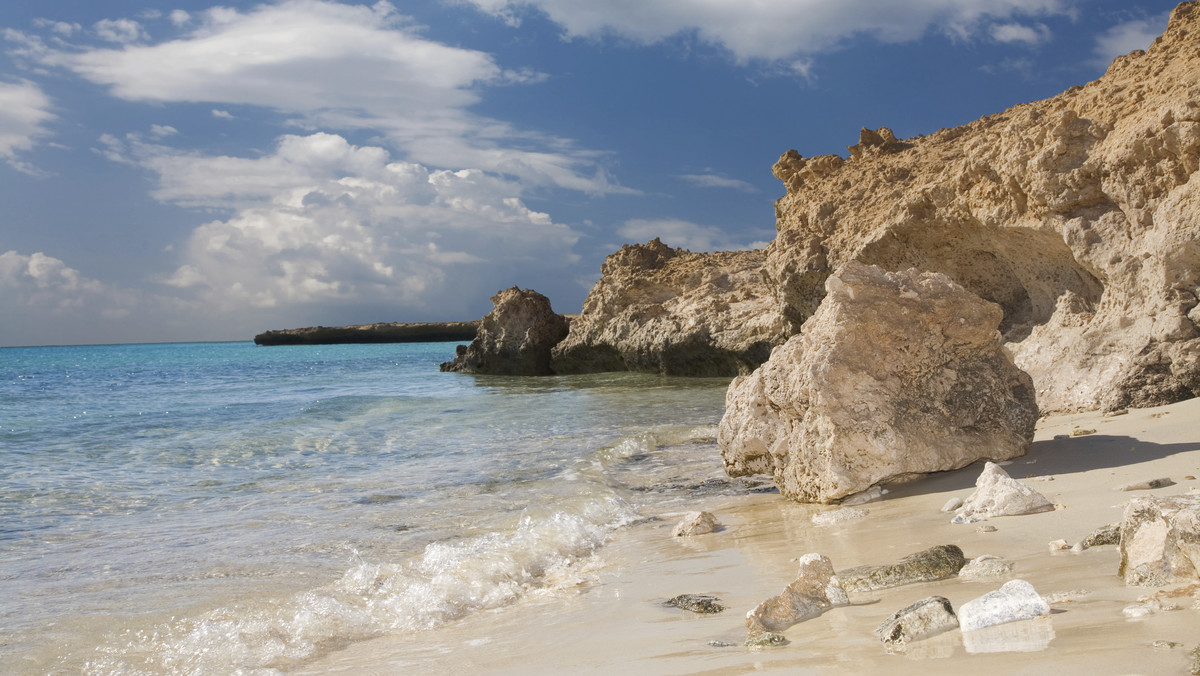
(215, 507)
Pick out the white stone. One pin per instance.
(1160, 540)
(998, 494)
(1015, 600)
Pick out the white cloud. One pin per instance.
(41, 281)
(123, 31)
(1016, 32)
(61, 27)
(222, 114)
(1126, 37)
(320, 221)
(681, 234)
(162, 130)
(179, 17)
(711, 180)
(342, 67)
(774, 30)
(24, 113)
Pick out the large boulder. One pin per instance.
(1160, 540)
(897, 374)
(1076, 214)
(670, 311)
(513, 339)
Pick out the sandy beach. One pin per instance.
(616, 622)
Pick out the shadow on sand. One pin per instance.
(1052, 456)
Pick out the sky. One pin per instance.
(183, 170)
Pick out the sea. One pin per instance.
(215, 508)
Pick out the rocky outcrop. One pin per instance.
(515, 338)
(1160, 540)
(662, 310)
(384, 332)
(1078, 215)
(895, 375)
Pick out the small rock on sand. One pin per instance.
(952, 504)
(985, 566)
(926, 617)
(704, 604)
(935, 563)
(998, 494)
(1015, 600)
(696, 523)
(1149, 484)
(839, 516)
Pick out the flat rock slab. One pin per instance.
(985, 566)
(935, 563)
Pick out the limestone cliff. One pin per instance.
(663, 310)
(1079, 215)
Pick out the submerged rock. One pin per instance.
(704, 604)
(815, 590)
(839, 516)
(920, 620)
(1015, 600)
(935, 563)
(514, 338)
(1160, 540)
(894, 376)
(696, 523)
(998, 494)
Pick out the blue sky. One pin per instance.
(193, 171)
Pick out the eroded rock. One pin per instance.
(923, 619)
(815, 590)
(935, 563)
(670, 311)
(1104, 535)
(1076, 214)
(514, 338)
(1015, 600)
(702, 604)
(1160, 540)
(998, 494)
(896, 375)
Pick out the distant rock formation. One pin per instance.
(384, 332)
(662, 310)
(514, 338)
(896, 374)
(1079, 215)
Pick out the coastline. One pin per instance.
(616, 621)
(380, 332)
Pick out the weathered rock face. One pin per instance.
(662, 310)
(514, 338)
(1160, 540)
(895, 375)
(1079, 215)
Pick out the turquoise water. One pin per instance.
(212, 507)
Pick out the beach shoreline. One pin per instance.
(616, 621)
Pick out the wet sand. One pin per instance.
(616, 623)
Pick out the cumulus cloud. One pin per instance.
(320, 221)
(123, 31)
(24, 114)
(774, 31)
(222, 114)
(682, 234)
(1126, 37)
(337, 66)
(41, 281)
